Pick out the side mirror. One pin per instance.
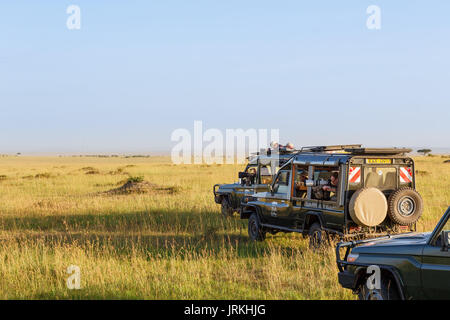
(445, 240)
(309, 183)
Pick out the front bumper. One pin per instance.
(217, 198)
(347, 280)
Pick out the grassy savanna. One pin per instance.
(168, 244)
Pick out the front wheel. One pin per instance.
(317, 237)
(388, 291)
(255, 231)
(227, 210)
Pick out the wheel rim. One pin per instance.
(374, 295)
(406, 206)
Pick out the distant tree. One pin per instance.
(424, 151)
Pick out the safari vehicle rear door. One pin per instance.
(436, 263)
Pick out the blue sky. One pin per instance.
(137, 70)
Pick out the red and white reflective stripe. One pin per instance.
(405, 174)
(354, 175)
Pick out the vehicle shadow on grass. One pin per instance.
(154, 234)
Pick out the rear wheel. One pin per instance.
(255, 231)
(317, 237)
(405, 206)
(227, 210)
(388, 291)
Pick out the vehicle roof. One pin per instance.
(328, 155)
(323, 158)
(268, 158)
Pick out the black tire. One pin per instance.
(227, 210)
(405, 206)
(318, 238)
(388, 291)
(255, 231)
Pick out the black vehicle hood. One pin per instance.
(394, 243)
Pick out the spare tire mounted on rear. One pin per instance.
(368, 207)
(405, 206)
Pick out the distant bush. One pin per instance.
(88, 168)
(95, 171)
(136, 179)
(44, 175)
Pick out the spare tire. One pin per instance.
(368, 207)
(405, 206)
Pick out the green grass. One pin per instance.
(155, 246)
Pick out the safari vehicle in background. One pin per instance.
(256, 177)
(375, 195)
(412, 266)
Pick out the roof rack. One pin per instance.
(342, 147)
(378, 151)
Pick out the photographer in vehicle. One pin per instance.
(329, 190)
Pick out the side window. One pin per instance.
(445, 228)
(301, 175)
(265, 174)
(281, 185)
(326, 183)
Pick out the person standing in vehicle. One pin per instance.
(332, 186)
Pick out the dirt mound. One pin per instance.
(142, 187)
(95, 171)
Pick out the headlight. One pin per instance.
(352, 257)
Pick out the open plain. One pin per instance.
(161, 238)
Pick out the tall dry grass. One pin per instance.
(155, 246)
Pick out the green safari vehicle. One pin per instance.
(412, 266)
(344, 191)
(257, 176)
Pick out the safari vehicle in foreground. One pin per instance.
(344, 191)
(413, 266)
(256, 177)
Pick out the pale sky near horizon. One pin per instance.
(137, 70)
